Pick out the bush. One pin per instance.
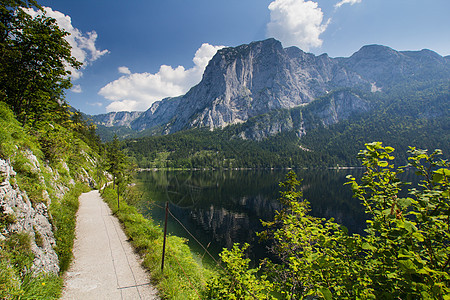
(236, 280)
(405, 253)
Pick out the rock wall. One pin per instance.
(21, 215)
(17, 207)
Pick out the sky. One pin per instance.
(137, 52)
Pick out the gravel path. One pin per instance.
(104, 266)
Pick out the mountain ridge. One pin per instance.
(249, 80)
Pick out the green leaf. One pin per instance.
(325, 292)
(392, 275)
(410, 226)
(367, 246)
(418, 236)
(389, 149)
(344, 229)
(437, 177)
(443, 171)
(382, 163)
(407, 265)
(404, 202)
(386, 212)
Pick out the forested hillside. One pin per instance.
(415, 114)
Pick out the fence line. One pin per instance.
(201, 245)
(193, 287)
(235, 281)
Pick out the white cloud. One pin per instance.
(351, 2)
(83, 44)
(123, 105)
(76, 89)
(138, 91)
(124, 70)
(98, 104)
(296, 23)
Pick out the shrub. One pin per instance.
(405, 253)
(236, 280)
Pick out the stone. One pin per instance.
(29, 219)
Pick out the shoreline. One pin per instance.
(248, 169)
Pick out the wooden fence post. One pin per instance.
(165, 234)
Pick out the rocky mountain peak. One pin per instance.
(267, 46)
(249, 80)
(374, 51)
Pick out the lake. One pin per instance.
(222, 207)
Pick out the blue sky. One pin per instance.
(136, 52)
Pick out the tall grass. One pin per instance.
(16, 279)
(64, 220)
(183, 277)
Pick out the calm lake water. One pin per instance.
(224, 207)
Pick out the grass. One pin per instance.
(13, 136)
(64, 220)
(183, 277)
(16, 280)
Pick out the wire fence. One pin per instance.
(217, 262)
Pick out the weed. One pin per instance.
(7, 219)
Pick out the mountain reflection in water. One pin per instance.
(221, 208)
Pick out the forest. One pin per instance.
(414, 114)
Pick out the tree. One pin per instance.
(116, 160)
(119, 166)
(34, 56)
(405, 253)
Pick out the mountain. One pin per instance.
(121, 118)
(263, 80)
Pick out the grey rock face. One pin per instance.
(385, 66)
(325, 112)
(250, 80)
(243, 82)
(159, 114)
(33, 218)
(29, 219)
(121, 118)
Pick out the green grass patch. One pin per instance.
(183, 277)
(64, 222)
(16, 280)
(13, 137)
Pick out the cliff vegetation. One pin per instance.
(48, 155)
